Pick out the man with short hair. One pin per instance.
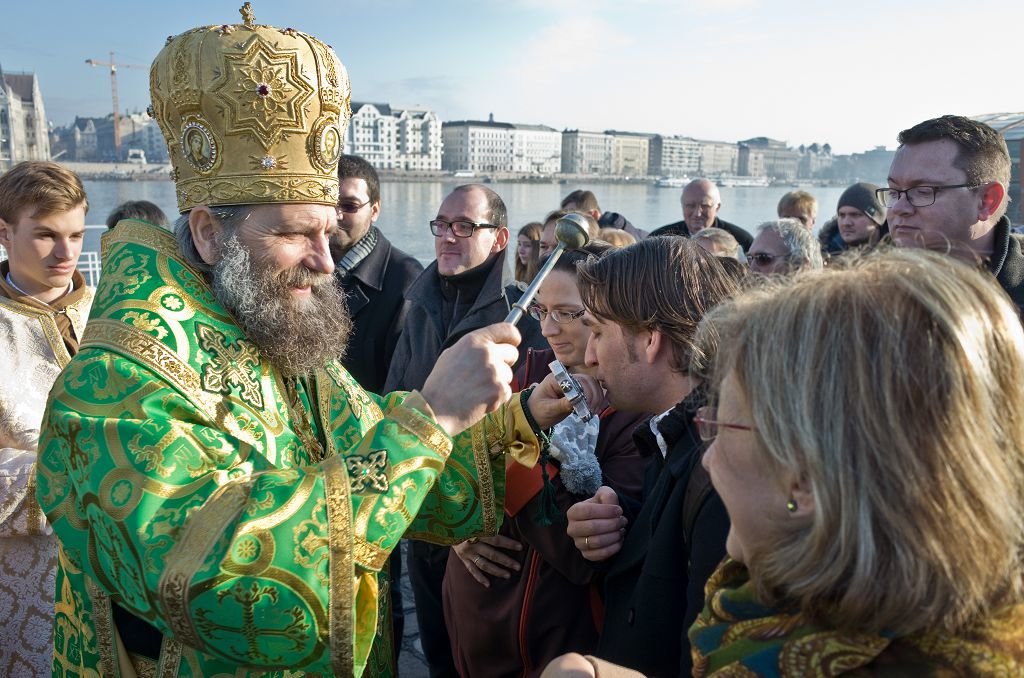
(799, 205)
(44, 303)
(374, 274)
(783, 246)
(137, 209)
(947, 191)
(860, 219)
(701, 202)
(586, 203)
(644, 349)
(466, 287)
(224, 492)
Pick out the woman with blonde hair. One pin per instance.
(873, 473)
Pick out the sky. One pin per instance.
(848, 73)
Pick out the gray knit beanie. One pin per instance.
(862, 197)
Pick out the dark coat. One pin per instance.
(679, 228)
(518, 625)
(424, 334)
(654, 588)
(375, 294)
(1007, 262)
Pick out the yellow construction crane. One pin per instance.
(113, 91)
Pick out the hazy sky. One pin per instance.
(849, 73)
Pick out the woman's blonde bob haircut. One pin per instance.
(894, 386)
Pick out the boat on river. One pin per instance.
(736, 181)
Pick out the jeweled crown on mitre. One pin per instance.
(251, 114)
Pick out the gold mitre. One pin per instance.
(251, 114)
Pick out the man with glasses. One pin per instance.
(465, 288)
(947, 192)
(701, 202)
(783, 246)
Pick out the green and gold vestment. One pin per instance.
(244, 515)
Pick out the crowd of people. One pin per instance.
(802, 458)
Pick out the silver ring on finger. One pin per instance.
(586, 543)
(476, 561)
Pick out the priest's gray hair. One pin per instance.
(230, 216)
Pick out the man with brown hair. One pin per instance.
(586, 203)
(643, 347)
(947, 192)
(43, 307)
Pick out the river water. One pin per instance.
(406, 207)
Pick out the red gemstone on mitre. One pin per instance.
(263, 89)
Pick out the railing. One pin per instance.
(90, 267)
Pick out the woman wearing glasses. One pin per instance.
(515, 601)
(876, 500)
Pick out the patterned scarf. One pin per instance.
(359, 251)
(737, 636)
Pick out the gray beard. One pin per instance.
(295, 335)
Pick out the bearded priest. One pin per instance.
(224, 493)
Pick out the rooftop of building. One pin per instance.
(384, 109)
(20, 84)
(478, 123)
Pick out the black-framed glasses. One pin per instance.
(764, 259)
(918, 196)
(707, 425)
(350, 206)
(560, 317)
(460, 228)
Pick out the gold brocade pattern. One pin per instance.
(201, 513)
(251, 114)
(187, 556)
(341, 566)
(104, 624)
(231, 364)
(368, 473)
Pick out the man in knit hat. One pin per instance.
(947, 191)
(860, 214)
(224, 492)
(44, 303)
(859, 220)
